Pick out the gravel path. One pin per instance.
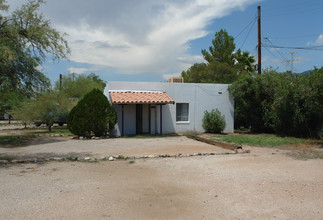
(264, 184)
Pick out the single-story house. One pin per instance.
(164, 108)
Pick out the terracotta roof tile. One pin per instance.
(131, 97)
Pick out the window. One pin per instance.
(181, 111)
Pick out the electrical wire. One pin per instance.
(245, 27)
(267, 39)
(248, 33)
(318, 48)
(285, 60)
(295, 37)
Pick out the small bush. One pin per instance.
(213, 121)
(92, 115)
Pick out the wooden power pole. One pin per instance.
(60, 81)
(259, 41)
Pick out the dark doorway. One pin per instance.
(139, 119)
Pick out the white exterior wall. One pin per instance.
(201, 97)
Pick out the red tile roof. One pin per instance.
(131, 97)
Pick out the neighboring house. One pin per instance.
(164, 108)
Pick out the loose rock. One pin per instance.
(111, 158)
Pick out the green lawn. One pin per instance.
(261, 140)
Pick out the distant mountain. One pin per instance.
(304, 73)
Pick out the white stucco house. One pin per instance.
(165, 108)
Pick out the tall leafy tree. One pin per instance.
(26, 37)
(78, 85)
(195, 73)
(222, 48)
(223, 64)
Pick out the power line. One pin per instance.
(284, 62)
(267, 39)
(318, 48)
(295, 37)
(253, 20)
(248, 33)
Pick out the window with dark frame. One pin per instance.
(182, 110)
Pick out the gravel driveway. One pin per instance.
(66, 146)
(265, 184)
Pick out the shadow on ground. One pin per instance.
(45, 155)
(37, 141)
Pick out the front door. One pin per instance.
(153, 120)
(139, 119)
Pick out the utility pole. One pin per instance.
(292, 59)
(259, 41)
(60, 81)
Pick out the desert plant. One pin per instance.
(92, 115)
(214, 121)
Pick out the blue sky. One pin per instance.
(152, 40)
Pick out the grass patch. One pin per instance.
(258, 140)
(131, 161)
(6, 158)
(55, 130)
(71, 158)
(193, 133)
(16, 140)
(93, 161)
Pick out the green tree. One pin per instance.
(244, 61)
(10, 99)
(79, 85)
(93, 114)
(222, 48)
(26, 37)
(45, 108)
(283, 103)
(223, 65)
(24, 113)
(214, 72)
(195, 73)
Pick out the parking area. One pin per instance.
(69, 147)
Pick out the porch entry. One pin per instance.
(145, 120)
(146, 108)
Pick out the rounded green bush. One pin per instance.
(93, 115)
(213, 122)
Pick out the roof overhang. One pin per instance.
(140, 97)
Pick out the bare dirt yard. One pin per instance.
(264, 184)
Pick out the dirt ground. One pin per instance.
(265, 184)
(68, 147)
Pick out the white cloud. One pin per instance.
(318, 42)
(144, 36)
(81, 70)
